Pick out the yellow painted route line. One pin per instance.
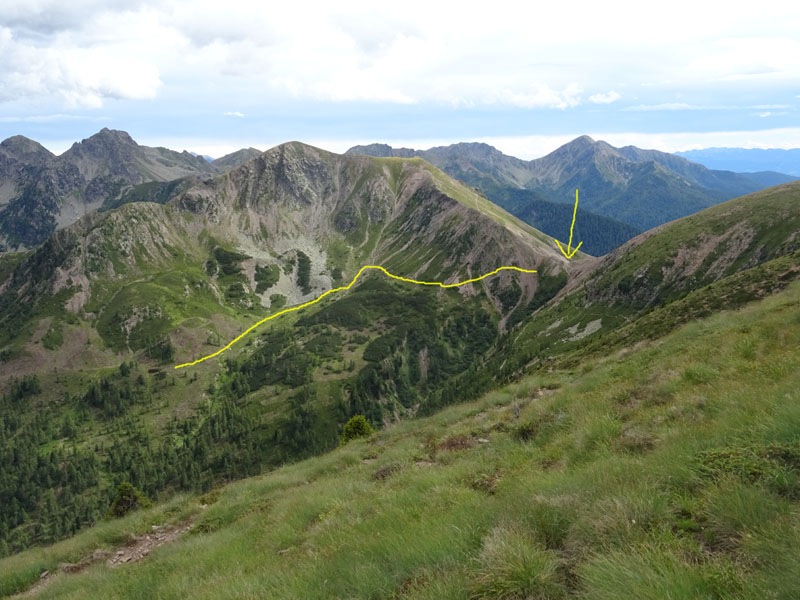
(567, 252)
(347, 287)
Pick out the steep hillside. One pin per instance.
(728, 254)
(92, 321)
(41, 192)
(401, 213)
(643, 188)
(667, 262)
(639, 474)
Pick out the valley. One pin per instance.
(511, 373)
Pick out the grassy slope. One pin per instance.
(726, 255)
(728, 237)
(615, 489)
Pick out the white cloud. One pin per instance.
(687, 106)
(52, 118)
(539, 96)
(749, 59)
(665, 106)
(605, 98)
(86, 51)
(771, 113)
(234, 113)
(79, 74)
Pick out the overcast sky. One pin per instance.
(212, 77)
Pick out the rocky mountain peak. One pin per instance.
(25, 149)
(384, 151)
(102, 143)
(582, 146)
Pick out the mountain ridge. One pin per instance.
(643, 188)
(41, 192)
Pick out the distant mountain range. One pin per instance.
(41, 192)
(623, 191)
(642, 188)
(747, 159)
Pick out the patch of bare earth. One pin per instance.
(81, 349)
(688, 260)
(138, 547)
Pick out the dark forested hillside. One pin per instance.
(600, 235)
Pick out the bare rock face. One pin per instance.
(388, 211)
(23, 150)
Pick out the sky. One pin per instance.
(211, 77)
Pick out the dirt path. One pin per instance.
(135, 550)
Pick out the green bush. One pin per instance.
(128, 498)
(775, 465)
(303, 272)
(266, 277)
(356, 427)
(162, 350)
(277, 301)
(228, 261)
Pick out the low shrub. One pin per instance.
(128, 498)
(356, 427)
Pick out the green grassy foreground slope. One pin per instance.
(670, 470)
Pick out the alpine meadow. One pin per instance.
(517, 319)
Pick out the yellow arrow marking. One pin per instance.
(567, 252)
(347, 287)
